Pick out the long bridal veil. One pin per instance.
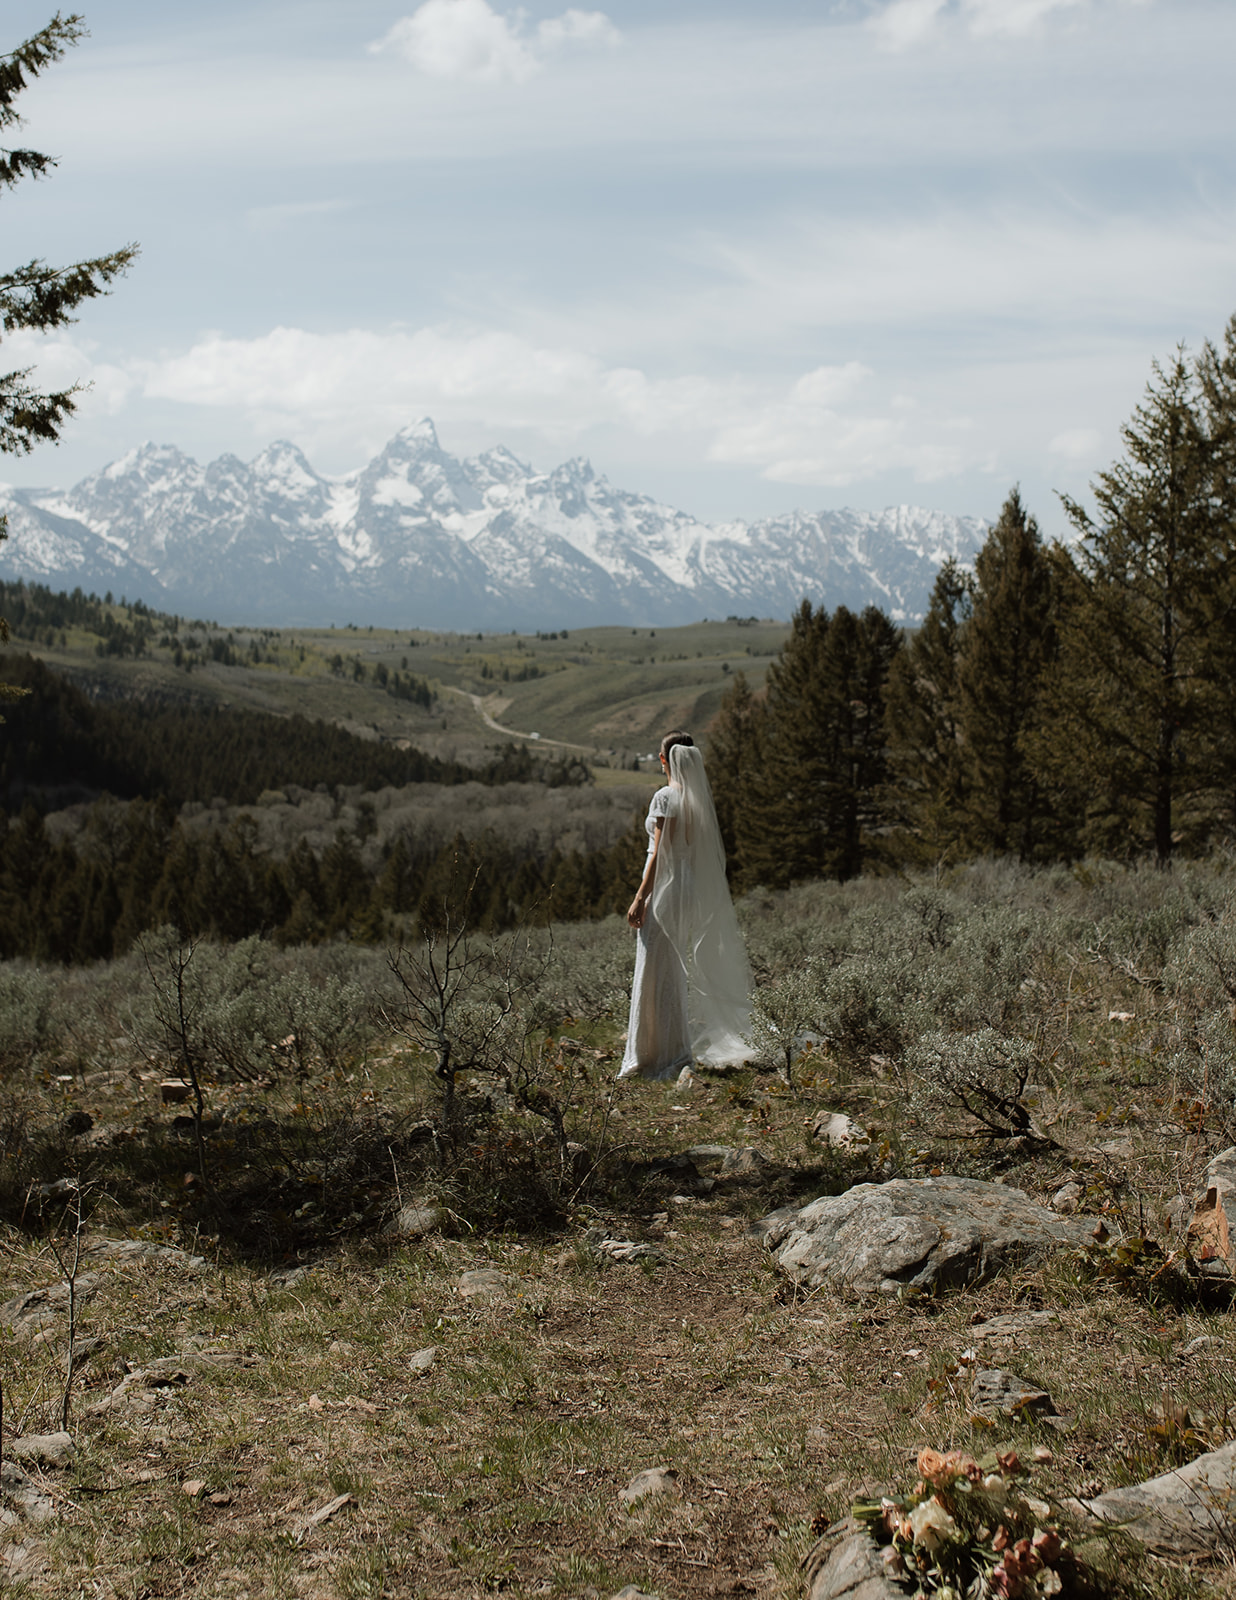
(691, 901)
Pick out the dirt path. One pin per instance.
(478, 706)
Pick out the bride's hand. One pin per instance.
(635, 915)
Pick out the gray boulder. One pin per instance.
(1212, 1231)
(1188, 1511)
(649, 1484)
(856, 1570)
(42, 1449)
(921, 1233)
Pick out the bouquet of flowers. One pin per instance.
(970, 1531)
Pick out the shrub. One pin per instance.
(981, 1075)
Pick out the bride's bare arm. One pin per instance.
(643, 895)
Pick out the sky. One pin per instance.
(744, 256)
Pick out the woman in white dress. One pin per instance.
(691, 995)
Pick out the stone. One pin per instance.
(708, 1157)
(174, 1091)
(1190, 1510)
(602, 1244)
(992, 1390)
(630, 1592)
(19, 1492)
(744, 1162)
(27, 1313)
(42, 1449)
(839, 1132)
(1013, 1324)
(423, 1360)
(649, 1484)
(414, 1221)
(1067, 1199)
(1204, 1341)
(129, 1252)
(1212, 1231)
(485, 1285)
(916, 1233)
(856, 1571)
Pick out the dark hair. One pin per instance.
(671, 739)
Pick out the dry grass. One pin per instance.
(499, 1468)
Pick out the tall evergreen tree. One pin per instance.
(1131, 698)
(927, 788)
(36, 295)
(810, 805)
(733, 756)
(1005, 647)
(1216, 369)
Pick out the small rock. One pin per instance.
(994, 1390)
(708, 1157)
(24, 1495)
(288, 1277)
(126, 1252)
(1010, 1324)
(43, 1449)
(839, 1132)
(1067, 1198)
(424, 1359)
(485, 1284)
(916, 1233)
(600, 1243)
(414, 1221)
(194, 1489)
(1204, 1341)
(632, 1593)
(173, 1091)
(741, 1163)
(855, 1570)
(653, 1481)
(1190, 1510)
(27, 1313)
(1212, 1232)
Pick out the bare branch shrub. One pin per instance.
(980, 1077)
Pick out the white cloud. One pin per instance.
(468, 41)
(901, 23)
(1076, 444)
(363, 385)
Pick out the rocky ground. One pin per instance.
(689, 1398)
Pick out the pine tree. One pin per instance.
(1134, 692)
(36, 295)
(1005, 647)
(927, 790)
(1216, 370)
(733, 754)
(809, 806)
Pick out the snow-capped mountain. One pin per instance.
(421, 538)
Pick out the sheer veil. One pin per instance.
(691, 901)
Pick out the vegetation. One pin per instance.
(1053, 702)
(36, 295)
(1090, 995)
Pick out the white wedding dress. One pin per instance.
(691, 993)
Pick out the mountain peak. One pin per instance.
(421, 432)
(420, 537)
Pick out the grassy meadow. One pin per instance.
(611, 692)
(285, 1367)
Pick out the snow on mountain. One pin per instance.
(419, 537)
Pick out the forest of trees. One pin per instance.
(1056, 701)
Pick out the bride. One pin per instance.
(690, 999)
